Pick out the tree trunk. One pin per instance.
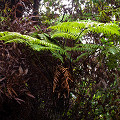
(36, 9)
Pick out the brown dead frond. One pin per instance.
(61, 81)
(13, 72)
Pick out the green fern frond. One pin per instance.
(69, 27)
(17, 37)
(90, 46)
(81, 56)
(39, 47)
(57, 55)
(84, 47)
(3, 33)
(64, 35)
(76, 49)
(9, 36)
(106, 29)
(113, 49)
(17, 41)
(75, 28)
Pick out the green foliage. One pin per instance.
(64, 35)
(75, 28)
(108, 34)
(92, 100)
(74, 31)
(69, 27)
(34, 43)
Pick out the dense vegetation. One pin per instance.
(60, 66)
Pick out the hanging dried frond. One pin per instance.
(61, 81)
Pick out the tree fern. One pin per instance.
(73, 31)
